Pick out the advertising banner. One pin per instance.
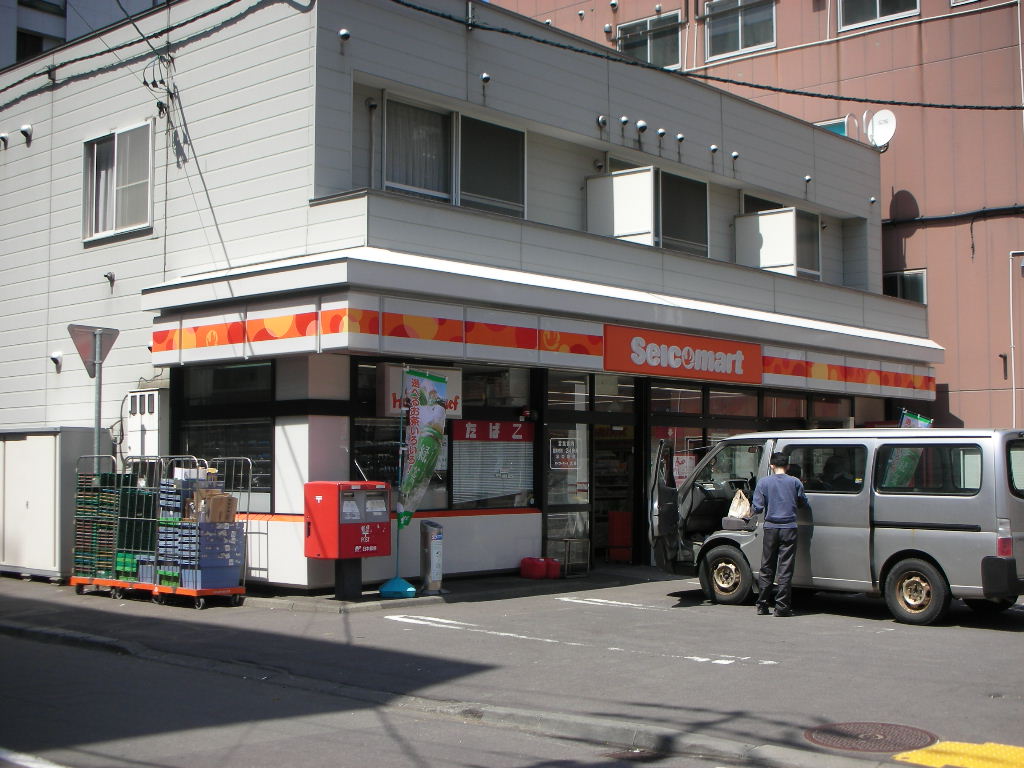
(424, 438)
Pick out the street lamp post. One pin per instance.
(1013, 360)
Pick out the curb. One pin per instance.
(595, 730)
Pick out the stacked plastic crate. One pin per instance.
(211, 554)
(136, 530)
(96, 512)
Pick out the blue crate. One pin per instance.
(210, 578)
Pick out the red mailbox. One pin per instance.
(347, 519)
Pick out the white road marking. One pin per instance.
(611, 603)
(436, 623)
(27, 761)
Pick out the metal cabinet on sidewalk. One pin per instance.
(37, 498)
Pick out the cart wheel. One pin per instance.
(199, 603)
(237, 600)
(158, 598)
(117, 593)
(79, 589)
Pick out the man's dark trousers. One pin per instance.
(780, 543)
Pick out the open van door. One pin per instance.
(663, 512)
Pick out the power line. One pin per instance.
(129, 17)
(618, 58)
(121, 46)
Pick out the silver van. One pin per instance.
(920, 516)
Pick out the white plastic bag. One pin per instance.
(740, 507)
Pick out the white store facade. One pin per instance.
(292, 216)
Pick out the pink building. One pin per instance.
(951, 196)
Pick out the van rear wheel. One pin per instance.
(916, 592)
(727, 576)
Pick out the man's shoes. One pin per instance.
(762, 610)
(782, 612)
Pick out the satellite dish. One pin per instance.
(881, 127)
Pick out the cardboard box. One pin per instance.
(220, 509)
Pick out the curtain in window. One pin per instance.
(102, 213)
(418, 154)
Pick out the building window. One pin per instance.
(808, 250)
(492, 463)
(491, 163)
(906, 285)
(837, 127)
(377, 453)
(420, 151)
(418, 156)
(855, 13)
(568, 390)
(118, 182)
(31, 44)
(654, 40)
(734, 26)
(684, 215)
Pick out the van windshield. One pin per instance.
(1015, 466)
(734, 466)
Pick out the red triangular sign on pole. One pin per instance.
(84, 337)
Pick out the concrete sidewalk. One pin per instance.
(49, 620)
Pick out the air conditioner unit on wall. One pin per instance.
(146, 423)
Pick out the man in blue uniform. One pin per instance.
(780, 493)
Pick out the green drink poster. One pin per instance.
(424, 436)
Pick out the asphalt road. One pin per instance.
(87, 708)
(650, 652)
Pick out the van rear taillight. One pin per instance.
(1004, 538)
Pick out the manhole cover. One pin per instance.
(870, 737)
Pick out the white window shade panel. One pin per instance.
(767, 240)
(102, 188)
(622, 205)
(133, 163)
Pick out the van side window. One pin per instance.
(1015, 466)
(929, 469)
(828, 468)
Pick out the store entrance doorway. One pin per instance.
(614, 491)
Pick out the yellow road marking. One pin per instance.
(959, 754)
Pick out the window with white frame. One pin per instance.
(735, 26)
(854, 13)
(909, 284)
(118, 182)
(421, 154)
(654, 40)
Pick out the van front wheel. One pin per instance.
(916, 592)
(728, 576)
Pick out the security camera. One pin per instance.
(713, 148)
(624, 119)
(57, 357)
(735, 155)
(641, 126)
(26, 131)
(602, 121)
(344, 34)
(680, 138)
(599, 164)
(661, 133)
(485, 78)
(3, 139)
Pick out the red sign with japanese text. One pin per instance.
(493, 431)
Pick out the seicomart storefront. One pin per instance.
(557, 390)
